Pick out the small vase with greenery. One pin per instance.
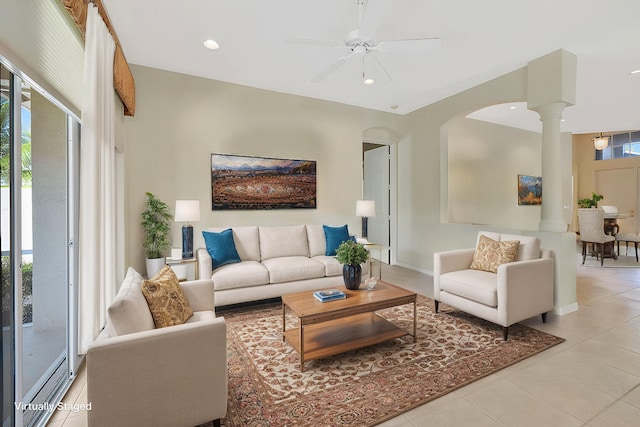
(590, 203)
(352, 254)
(155, 223)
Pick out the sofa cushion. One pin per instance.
(167, 302)
(317, 240)
(283, 241)
(475, 285)
(221, 248)
(334, 238)
(489, 253)
(246, 240)
(129, 312)
(287, 269)
(240, 275)
(528, 249)
(331, 265)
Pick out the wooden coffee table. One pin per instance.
(329, 328)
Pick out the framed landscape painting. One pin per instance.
(529, 190)
(250, 183)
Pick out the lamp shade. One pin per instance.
(187, 210)
(366, 208)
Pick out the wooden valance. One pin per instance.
(123, 81)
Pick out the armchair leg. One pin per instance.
(216, 423)
(505, 332)
(436, 305)
(544, 317)
(584, 252)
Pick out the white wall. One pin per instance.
(180, 120)
(423, 170)
(484, 161)
(423, 175)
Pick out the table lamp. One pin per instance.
(187, 211)
(365, 209)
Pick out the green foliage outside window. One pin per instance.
(27, 289)
(5, 147)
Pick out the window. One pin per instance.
(621, 145)
(37, 169)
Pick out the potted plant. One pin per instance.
(352, 254)
(590, 203)
(155, 223)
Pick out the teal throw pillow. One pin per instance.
(221, 247)
(334, 237)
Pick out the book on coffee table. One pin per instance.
(329, 295)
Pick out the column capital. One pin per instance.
(550, 111)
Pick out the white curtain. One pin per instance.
(97, 240)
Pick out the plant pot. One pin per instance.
(352, 275)
(153, 266)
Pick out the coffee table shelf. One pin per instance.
(342, 335)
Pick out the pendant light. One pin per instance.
(601, 142)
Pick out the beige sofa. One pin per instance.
(174, 376)
(517, 291)
(275, 260)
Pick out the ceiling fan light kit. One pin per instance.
(356, 43)
(211, 44)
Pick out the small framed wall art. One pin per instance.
(254, 183)
(529, 190)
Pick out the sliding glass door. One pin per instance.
(36, 251)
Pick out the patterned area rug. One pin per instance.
(368, 386)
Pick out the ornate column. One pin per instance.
(551, 217)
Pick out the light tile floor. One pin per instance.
(592, 379)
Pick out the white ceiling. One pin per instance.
(481, 40)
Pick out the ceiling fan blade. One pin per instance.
(379, 65)
(410, 45)
(330, 69)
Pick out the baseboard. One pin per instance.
(414, 268)
(561, 311)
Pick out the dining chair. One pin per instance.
(628, 238)
(592, 231)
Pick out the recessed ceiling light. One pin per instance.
(368, 81)
(635, 72)
(513, 107)
(394, 107)
(211, 44)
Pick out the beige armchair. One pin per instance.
(592, 231)
(516, 291)
(174, 376)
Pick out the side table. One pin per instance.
(185, 269)
(373, 262)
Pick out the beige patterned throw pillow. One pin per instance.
(490, 254)
(167, 302)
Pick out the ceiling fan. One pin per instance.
(361, 44)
